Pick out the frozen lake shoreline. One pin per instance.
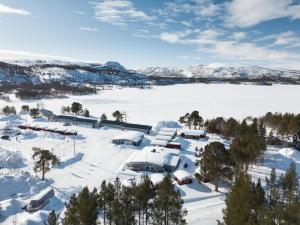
(170, 102)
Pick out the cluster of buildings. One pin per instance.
(164, 138)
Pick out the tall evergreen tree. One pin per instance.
(239, 203)
(216, 163)
(167, 208)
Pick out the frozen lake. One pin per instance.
(169, 102)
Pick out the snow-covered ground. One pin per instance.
(96, 158)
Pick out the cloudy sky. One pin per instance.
(141, 33)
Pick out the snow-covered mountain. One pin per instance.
(50, 71)
(41, 71)
(219, 71)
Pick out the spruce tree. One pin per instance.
(167, 207)
(239, 202)
(52, 218)
(216, 163)
(71, 216)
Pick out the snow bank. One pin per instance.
(11, 160)
(291, 153)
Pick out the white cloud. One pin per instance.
(6, 54)
(8, 10)
(246, 13)
(118, 12)
(209, 41)
(89, 29)
(238, 36)
(287, 39)
(80, 13)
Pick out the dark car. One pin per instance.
(5, 137)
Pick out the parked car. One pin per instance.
(5, 137)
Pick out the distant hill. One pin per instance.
(53, 71)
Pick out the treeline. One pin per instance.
(218, 163)
(30, 91)
(277, 204)
(120, 205)
(283, 124)
(75, 108)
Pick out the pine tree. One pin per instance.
(103, 117)
(216, 163)
(87, 206)
(239, 203)
(76, 107)
(118, 116)
(290, 184)
(71, 216)
(34, 113)
(142, 194)
(186, 120)
(262, 130)
(52, 219)
(102, 200)
(82, 209)
(167, 208)
(25, 108)
(45, 158)
(196, 119)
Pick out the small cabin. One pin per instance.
(129, 138)
(182, 177)
(193, 134)
(175, 145)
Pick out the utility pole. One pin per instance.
(74, 146)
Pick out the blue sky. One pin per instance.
(141, 33)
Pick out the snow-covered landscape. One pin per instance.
(90, 157)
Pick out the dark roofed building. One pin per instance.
(77, 120)
(296, 140)
(126, 126)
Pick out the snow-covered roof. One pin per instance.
(134, 136)
(166, 129)
(194, 132)
(159, 143)
(167, 133)
(162, 137)
(182, 175)
(156, 178)
(157, 156)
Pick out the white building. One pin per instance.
(129, 138)
(154, 159)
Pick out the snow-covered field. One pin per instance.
(96, 158)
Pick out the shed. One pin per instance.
(176, 145)
(160, 143)
(193, 134)
(126, 126)
(129, 138)
(182, 177)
